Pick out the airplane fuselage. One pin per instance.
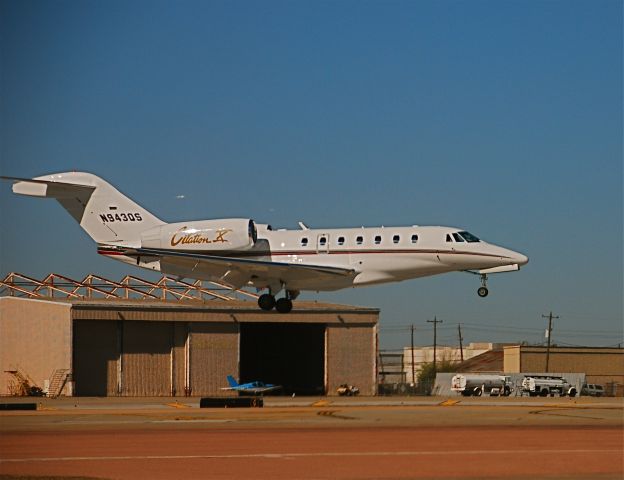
(375, 254)
(237, 252)
(384, 254)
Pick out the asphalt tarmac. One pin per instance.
(316, 438)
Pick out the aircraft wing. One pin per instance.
(257, 390)
(238, 272)
(254, 390)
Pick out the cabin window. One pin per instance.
(377, 239)
(469, 237)
(414, 238)
(359, 240)
(341, 240)
(322, 241)
(396, 239)
(304, 242)
(458, 237)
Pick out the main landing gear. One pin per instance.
(268, 302)
(483, 291)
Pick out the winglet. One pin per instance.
(233, 383)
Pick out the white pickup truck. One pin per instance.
(592, 390)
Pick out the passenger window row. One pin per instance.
(359, 240)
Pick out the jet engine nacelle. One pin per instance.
(225, 234)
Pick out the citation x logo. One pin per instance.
(198, 238)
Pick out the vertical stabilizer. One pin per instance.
(107, 215)
(233, 383)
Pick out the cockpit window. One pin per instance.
(469, 237)
(448, 238)
(458, 237)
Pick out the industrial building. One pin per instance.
(601, 365)
(419, 356)
(593, 365)
(578, 365)
(138, 347)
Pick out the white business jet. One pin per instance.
(238, 252)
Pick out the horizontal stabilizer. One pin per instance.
(48, 188)
(107, 215)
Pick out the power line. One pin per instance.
(413, 368)
(435, 322)
(550, 319)
(461, 346)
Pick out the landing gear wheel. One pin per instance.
(482, 292)
(283, 305)
(266, 302)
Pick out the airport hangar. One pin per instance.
(134, 347)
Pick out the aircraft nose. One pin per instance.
(520, 259)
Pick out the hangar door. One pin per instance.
(146, 358)
(128, 358)
(287, 354)
(96, 356)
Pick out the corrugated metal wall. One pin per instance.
(96, 355)
(153, 358)
(146, 358)
(214, 354)
(351, 358)
(140, 352)
(180, 332)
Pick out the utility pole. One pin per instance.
(461, 345)
(435, 322)
(413, 377)
(550, 319)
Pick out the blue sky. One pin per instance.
(504, 118)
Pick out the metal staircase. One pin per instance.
(57, 382)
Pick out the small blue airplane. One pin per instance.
(255, 388)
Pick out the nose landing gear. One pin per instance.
(483, 291)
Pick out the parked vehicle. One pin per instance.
(592, 390)
(547, 385)
(477, 385)
(347, 390)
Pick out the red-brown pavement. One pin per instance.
(353, 445)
